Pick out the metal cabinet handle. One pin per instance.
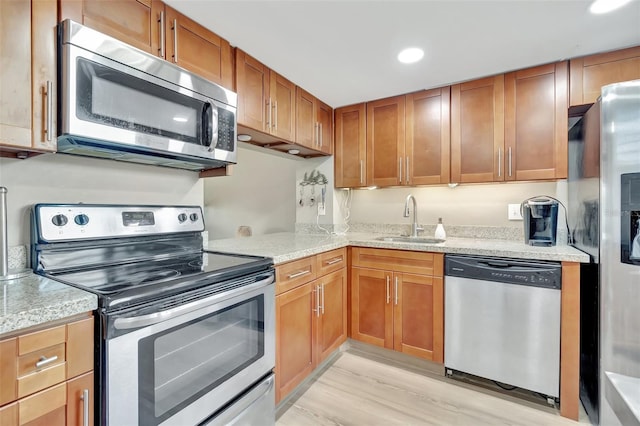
(509, 161)
(85, 407)
(49, 106)
(298, 274)
(175, 41)
(407, 172)
(396, 291)
(275, 115)
(333, 261)
(268, 102)
(162, 34)
(361, 172)
(499, 162)
(320, 133)
(316, 135)
(388, 294)
(322, 299)
(44, 361)
(317, 309)
(400, 169)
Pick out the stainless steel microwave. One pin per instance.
(118, 102)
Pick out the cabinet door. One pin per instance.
(428, 137)
(130, 21)
(193, 47)
(77, 390)
(477, 130)
(350, 146)
(324, 116)
(9, 414)
(306, 124)
(295, 327)
(418, 316)
(332, 326)
(385, 142)
(588, 74)
(252, 86)
(536, 123)
(15, 73)
(371, 308)
(283, 104)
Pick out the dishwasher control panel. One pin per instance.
(510, 271)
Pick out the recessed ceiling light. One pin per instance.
(294, 151)
(244, 138)
(410, 55)
(604, 6)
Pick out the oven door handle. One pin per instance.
(156, 317)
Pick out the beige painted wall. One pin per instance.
(60, 178)
(471, 204)
(259, 193)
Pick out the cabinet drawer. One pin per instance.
(331, 261)
(41, 339)
(412, 262)
(293, 274)
(48, 406)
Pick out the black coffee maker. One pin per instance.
(540, 215)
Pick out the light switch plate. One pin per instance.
(321, 209)
(513, 212)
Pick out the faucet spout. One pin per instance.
(414, 222)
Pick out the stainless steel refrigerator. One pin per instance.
(604, 217)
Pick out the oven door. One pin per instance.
(186, 363)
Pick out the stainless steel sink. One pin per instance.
(418, 240)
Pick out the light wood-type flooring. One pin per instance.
(359, 388)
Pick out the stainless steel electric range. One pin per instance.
(183, 336)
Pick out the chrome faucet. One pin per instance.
(414, 225)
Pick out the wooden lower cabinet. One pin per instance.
(396, 309)
(311, 322)
(54, 393)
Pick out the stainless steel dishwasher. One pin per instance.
(502, 321)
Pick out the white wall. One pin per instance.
(259, 194)
(60, 178)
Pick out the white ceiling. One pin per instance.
(344, 51)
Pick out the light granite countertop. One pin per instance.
(35, 300)
(287, 246)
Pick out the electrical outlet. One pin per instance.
(321, 209)
(513, 212)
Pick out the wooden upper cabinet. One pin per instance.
(477, 130)
(28, 76)
(385, 142)
(266, 100)
(252, 86)
(195, 48)
(314, 122)
(130, 21)
(536, 123)
(588, 74)
(427, 137)
(350, 146)
(283, 107)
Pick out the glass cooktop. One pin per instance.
(149, 273)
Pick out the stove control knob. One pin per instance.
(81, 219)
(182, 217)
(193, 217)
(59, 220)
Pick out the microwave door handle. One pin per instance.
(208, 129)
(157, 317)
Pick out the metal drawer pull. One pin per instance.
(44, 361)
(333, 261)
(85, 407)
(388, 295)
(298, 274)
